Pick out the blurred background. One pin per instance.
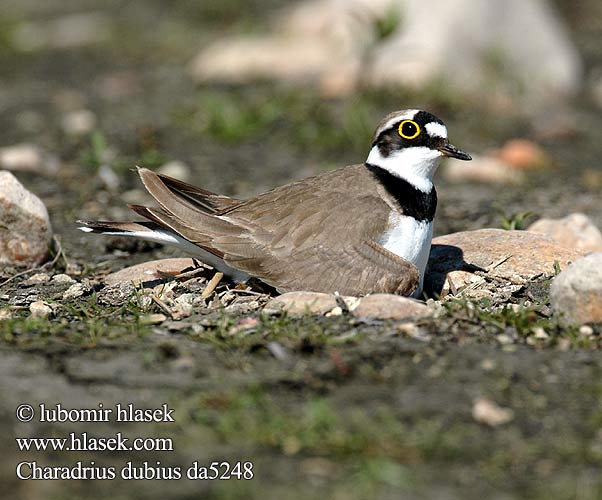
(242, 96)
(239, 96)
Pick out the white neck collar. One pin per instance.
(416, 165)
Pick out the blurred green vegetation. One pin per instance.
(301, 118)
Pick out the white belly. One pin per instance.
(411, 240)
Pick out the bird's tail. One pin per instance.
(148, 231)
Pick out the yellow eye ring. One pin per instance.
(412, 129)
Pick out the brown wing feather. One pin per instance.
(365, 268)
(199, 197)
(185, 212)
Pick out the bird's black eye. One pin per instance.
(409, 129)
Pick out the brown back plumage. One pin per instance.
(318, 234)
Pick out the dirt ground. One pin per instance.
(322, 407)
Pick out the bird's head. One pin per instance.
(410, 143)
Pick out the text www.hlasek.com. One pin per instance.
(84, 442)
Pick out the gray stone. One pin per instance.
(576, 293)
(25, 231)
(388, 306)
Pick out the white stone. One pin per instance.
(62, 278)
(36, 279)
(490, 413)
(74, 291)
(40, 309)
(586, 330)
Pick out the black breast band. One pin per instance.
(412, 201)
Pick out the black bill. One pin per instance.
(453, 152)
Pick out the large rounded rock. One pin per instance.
(25, 230)
(514, 255)
(576, 293)
(575, 230)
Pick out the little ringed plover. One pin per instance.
(356, 230)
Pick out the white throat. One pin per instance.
(411, 240)
(416, 165)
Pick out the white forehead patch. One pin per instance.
(435, 129)
(408, 115)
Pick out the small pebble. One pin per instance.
(576, 230)
(40, 309)
(523, 154)
(483, 169)
(79, 122)
(337, 311)
(586, 330)
(540, 333)
(504, 339)
(74, 291)
(37, 279)
(490, 413)
(108, 177)
(277, 350)
(488, 364)
(62, 278)
(153, 319)
(6, 313)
